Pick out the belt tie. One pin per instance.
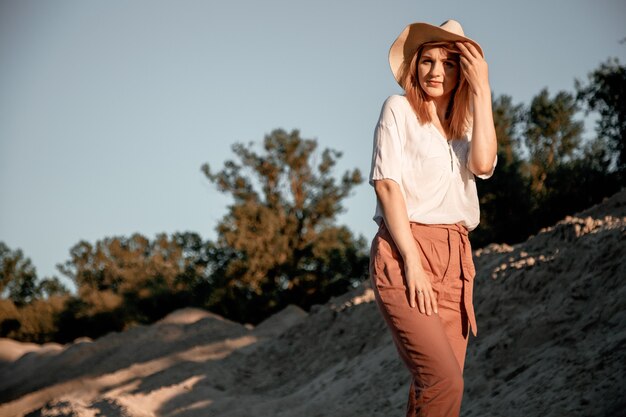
(467, 267)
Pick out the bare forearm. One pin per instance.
(484, 145)
(396, 218)
(420, 292)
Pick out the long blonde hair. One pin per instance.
(458, 114)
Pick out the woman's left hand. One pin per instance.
(474, 68)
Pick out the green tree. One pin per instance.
(505, 197)
(135, 264)
(552, 135)
(605, 93)
(49, 287)
(28, 311)
(18, 277)
(125, 280)
(278, 243)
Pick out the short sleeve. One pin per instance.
(387, 152)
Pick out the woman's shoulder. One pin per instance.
(396, 101)
(395, 108)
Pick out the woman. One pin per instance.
(429, 145)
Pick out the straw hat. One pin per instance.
(414, 35)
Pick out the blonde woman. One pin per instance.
(429, 145)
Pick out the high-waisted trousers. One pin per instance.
(432, 347)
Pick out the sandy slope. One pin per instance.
(551, 342)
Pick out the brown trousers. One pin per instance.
(432, 347)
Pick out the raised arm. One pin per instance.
(484, 145)
(397, 221)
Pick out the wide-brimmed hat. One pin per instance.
(414, 35)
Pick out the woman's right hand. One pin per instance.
(419, 288)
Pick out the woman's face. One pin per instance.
(437, 72)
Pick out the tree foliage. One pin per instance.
(605, 93)
(505, 198)
(121, 281)
(552, 135)
(18, 278)
(135, 264)
(545, 169)
(279, 236)
(28, 305)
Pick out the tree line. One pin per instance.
(279, 242)
(546, 169)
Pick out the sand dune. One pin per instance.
(551, 342)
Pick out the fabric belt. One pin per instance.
(467, 265)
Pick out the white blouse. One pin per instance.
(432, 172)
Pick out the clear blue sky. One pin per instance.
(108, 109)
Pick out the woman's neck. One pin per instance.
(439, 108)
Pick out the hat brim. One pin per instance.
(412, 37)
